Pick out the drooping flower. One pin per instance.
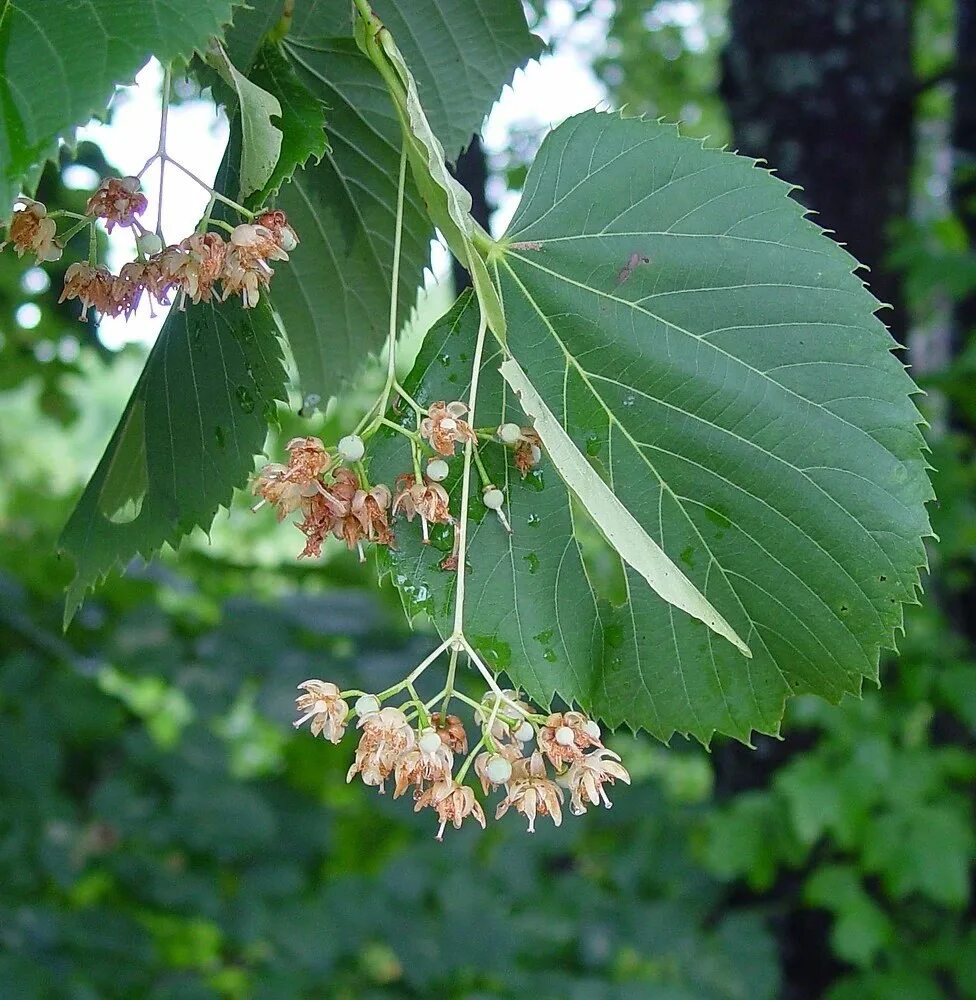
(369, 509)
(201, 265)
(508, 718)
(246, 270)
(277, 223)
(532, 793)
(291, 487)
(444, 428)
(31, 231)
(92, 286)
(386, 737)
(528, 451)
(427, 500)
(566, 735)
(452, 802)
(162, 272)
(307, 458)
(127, 288)
(321, 703)
(589, 774)
(496, 768)
(118, 201)
(451, 732)
(429, 760)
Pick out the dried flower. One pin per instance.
(565, 736)
(118, 201)
(428, 500)
(532, 793)
(451, 732)
(444, 428)
(92, 286)
(503, 729)
(127, 288)
(321, 703)
(277, 223)
(528, 451)
(421, 765)
(307, 458)
(386, 737)
(589, 774)
(201, 265)
(490, 767)
(369, 509)
(31, 231)
(453, 804)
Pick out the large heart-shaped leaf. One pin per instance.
(62, 61)
(187, 438)
(712, 352)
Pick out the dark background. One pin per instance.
(164, 834)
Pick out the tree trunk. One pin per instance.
(472, 173)
(821, 90)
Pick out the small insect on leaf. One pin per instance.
(633, 262)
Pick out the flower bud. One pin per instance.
(366, 704)
(565, 736)
(493, 498)
(525, 732)
(438, 470)
(131, 184)
(498, 769)
(351, 448)
(591, 729)
(430, 741)
(509, 433)
(148, 244)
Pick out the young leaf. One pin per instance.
(302, 119)
(63, 61)
(691, 328)
(260, 137)
(188, 436)
(620, 527)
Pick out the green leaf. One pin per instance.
(333, 298)
(702, 338)
(187, 438)
(862, 928)
(462, 54)
(528, 605)
(302, 119)
(714, 356)
(62, 61)
(620, 527)
(260, 137)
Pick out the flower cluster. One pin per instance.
(533, 759)
(328, 486)
(190, 269)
